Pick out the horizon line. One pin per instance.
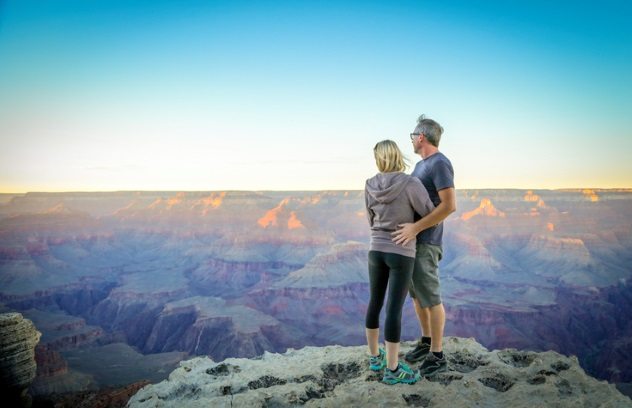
(615, 189)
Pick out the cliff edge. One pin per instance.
(18, 338)
(336, 376)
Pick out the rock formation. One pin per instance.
(107, 397)
(18, 338)
(336, 376)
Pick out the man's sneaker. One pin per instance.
(403, 375)
(433, 365)
(418, 353)
(376, 363)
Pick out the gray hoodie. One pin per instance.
(392, 199)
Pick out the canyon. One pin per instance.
(124, 285)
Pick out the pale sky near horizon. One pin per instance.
(214, 95)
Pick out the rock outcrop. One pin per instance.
(107, 397)
(18, 338)
(336, 376)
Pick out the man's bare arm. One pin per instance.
(408, 231)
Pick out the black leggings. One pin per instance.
(394, 271)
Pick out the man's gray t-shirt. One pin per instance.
(435, 173)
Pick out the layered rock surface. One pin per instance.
(336, 376)
(18, 338)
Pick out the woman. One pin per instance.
(392, 197)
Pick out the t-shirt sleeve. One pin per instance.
(443, 175)
(419, 198)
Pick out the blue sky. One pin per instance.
(202, 95)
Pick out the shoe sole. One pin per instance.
(432, 374)
(415, 360)
(393, 382)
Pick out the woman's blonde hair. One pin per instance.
(388, 157)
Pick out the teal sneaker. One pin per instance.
(403, 375)
(376, 363)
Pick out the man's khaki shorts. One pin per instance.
(424, 285)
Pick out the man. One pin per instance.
(437, 175)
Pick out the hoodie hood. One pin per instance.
(385, 187)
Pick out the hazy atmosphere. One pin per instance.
(198, 95)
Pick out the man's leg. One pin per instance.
(423, 314)
(435, 361)
(430, 296)
(428, 304)
(437, 323)
(419, 294)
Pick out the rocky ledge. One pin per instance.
(18, 338)
(337, 376)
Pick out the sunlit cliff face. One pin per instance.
(214, 200)
(590, 195)
(272, 217)
(529, 196)
(177, 199)
(58, 209)
(294, 222)
(486, 209)
(181, 201)
(534, 198)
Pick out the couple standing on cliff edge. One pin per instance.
(406, 214)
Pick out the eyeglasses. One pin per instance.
(414, 135)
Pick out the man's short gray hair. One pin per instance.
(431, 130)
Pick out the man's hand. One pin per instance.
(406, 233)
